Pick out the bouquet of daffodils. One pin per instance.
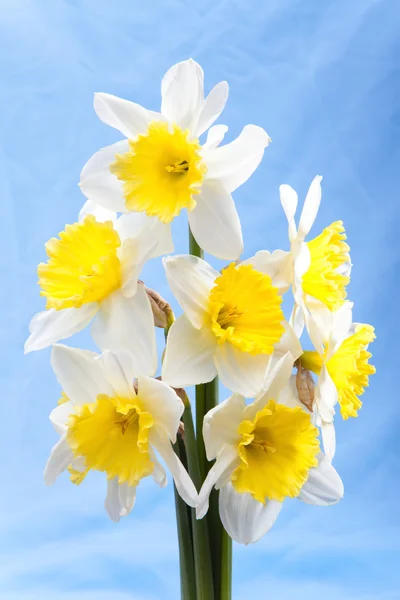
(233, 462)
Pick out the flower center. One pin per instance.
(83, 265)
(323, 280)
(112, 436)
(276, 450)
(246, 310)
(162, 172)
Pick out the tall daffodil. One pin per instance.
(317, 270)
(232, 325)
(107, 424)
(264, 452)
(341, 363)
(161, 167)
(92, 271)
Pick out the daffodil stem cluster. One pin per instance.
(210, 547)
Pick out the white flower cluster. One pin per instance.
(114, 415)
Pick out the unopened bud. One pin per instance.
(305, 385)
(162, 311)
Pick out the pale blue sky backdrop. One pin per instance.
(323, 79)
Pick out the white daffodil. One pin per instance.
(341, 363)
(106, 424)
(162, 168)
(318, 270)
(232, 324)
(92, 271)
(264, 452)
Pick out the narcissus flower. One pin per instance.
(92, 271)
(162, 168)
(318, 270)
(264, 452)
(106, 424)
(232, 325)
(341, 363)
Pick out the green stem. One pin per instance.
(201, 542)
(185, 541)
(226, 566)
(194, 248)
(201, 410)
(215, 527)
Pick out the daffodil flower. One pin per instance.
(318, 270)
(232, 325)
(108, 425)
(161, 167)
(92, 272)
(341, 363)
(264, 452)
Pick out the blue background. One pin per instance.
(323, 79)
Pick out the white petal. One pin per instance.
(59, 417)
(328, 439)
(183, 483)
(159, 474)
(315, 332)
(233, 163)
(79, 374)
(215, 222)
(127, 497)
(133, 255)
(246, 520)
(133, 225)
(341, 327)
(112, 502)
(221, 423)
(191, 280)
(120, 499)
(101, 214)
(99, 184)
(215, 136)
(162, 403)
(301, 260)
(290, 397)
(320, 324)
(296, 320)
(60, 458)
(323, 486)
(189, 354)
(226, 461)
(162, 233)
(129, 118)
(127, 324)
(117, 367)
(326, 396)
(52, 325)
(310, 208)
(182, 91)
(278, 265)
(276, 378)
(289, 200)
(289, 342)
(213, 106)
(240, 371)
